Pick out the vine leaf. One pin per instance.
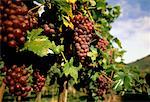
(117, 42)
(67, 23)
(118, 84)
(95, 76)
(34, 33)
(93, 3)
(56, 49)
(65, 7)
(123, 80)
(93, 54)
(71, 70)
(100, 4)
(1, 64)
(40, 44)
(127, 81)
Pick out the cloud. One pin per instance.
(135, 37)
(131, 8)
(133, 28)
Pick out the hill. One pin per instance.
(143, 64)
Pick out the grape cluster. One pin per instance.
(49, 29)
(17, 80)
(102, 44)
(83, 34)
(103, 85)
(39, 81)
(14, 22)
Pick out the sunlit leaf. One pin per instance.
(67, 22)
(71, 70)
(117, 42)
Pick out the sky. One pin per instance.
(133, 28)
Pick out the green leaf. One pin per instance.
(118, 84)
(117, 42)
(56, 49)
(95, 76)
(1, 64)
(127, 82)
(71, 70)
(30, 69)
(93, 54)
(100, 4)
(98, 33)
(34, 33)
(120, 53)
(38, 46)
(65, 7)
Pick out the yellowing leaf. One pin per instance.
(93, 3)
(71, 1)
(67, 23)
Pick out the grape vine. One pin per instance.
(69, 44)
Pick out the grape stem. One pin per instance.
(112, 74)
(64, 57)
(93, 41)
(35, 7)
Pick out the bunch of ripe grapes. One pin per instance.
(39, 81)
(103, 85)
(82, 34)
(15, 22)
(102, 44)
(49, 29)
(17, 80)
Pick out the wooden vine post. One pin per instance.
(2, 90)
(38, 97)
(63, 94)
